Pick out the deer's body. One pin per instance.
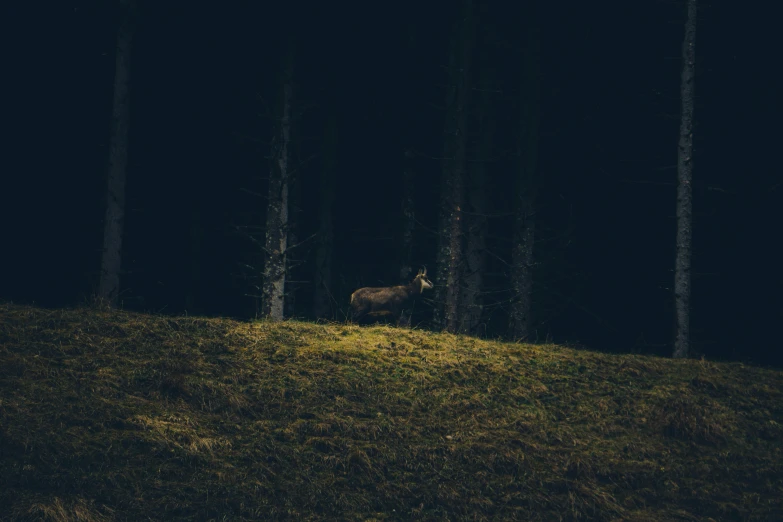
(391, 300)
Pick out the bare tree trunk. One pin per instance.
(408, 175)
(471, 302)
(408, 227)
(444, 217)
(408, 217)
(111, 259)
(294, 214)
(475, 256)
(322, 302)
(522, 273)
(682, 263)
(524, 221)
(273, 286)
(450, 240)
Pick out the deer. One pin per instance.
(390, 300)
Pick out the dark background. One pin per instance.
(203, 94)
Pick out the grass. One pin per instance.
(124, 416)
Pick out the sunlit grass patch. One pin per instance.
(122, 416)
(56, 510)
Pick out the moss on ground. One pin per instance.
(123, 416)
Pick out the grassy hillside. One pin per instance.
(123, 416)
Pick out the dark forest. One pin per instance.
(576, 104)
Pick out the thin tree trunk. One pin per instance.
(444, 217)
(682, 264)
(294, 215)
(475, 256)
(322, 302)
(111, 259)
(450, 240)
(273, 286)
(524, 221)
(522, 275)
(408, 218)
(408, 227)
(476, 222)
(408, 176)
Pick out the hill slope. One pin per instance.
(122, 416)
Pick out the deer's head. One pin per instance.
(421, 281)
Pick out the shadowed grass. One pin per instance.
(122, 416)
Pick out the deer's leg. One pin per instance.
(357, 312)
(395, 313)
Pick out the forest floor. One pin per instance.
(125, 416)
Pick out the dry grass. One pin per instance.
(122, 416)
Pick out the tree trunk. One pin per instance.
(524, 221)
(111, 259)
(452, 190)
(444, 217)
(682, 264)
(408, 226)
(322, 302)
(408, 218)
(408, 173)
(273, 286)
(476, 223)
(294, 217)
(522, 269)
(475, 251)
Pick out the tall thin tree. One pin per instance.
(293, 253)
(408, 216)
(111, 259)
(276, 245)
(525, 194)
(449, 256)
(322, 294)
(408, 175)
(476, 223)
(682, 263)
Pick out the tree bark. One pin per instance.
(111, 259)
(524, 221)
(273, 286)
(471, 302)
(444, 215)
(682, 263)
(293, 233)
(452, 189)
(472, 305)
(408, 173)
(408, 218)
(322, 303)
